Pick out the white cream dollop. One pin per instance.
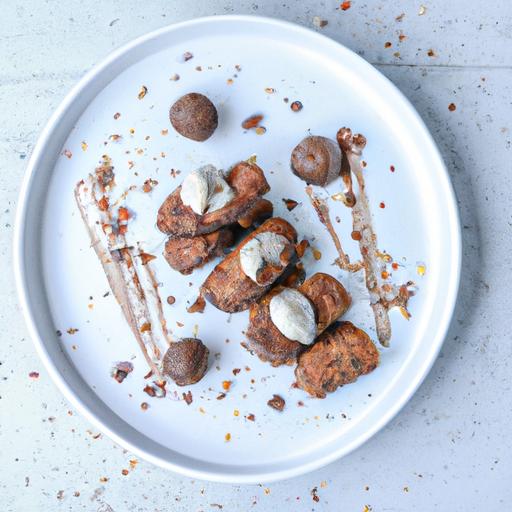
(205, 189)
(265, 248)
(292, 313)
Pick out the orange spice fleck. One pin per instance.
(345, 6)
(226, 384)
(227, 437)
(382, 204)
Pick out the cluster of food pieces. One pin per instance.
(292, 320)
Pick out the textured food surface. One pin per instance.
(228, 288)
(339, 356)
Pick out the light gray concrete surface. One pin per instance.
(450, 448)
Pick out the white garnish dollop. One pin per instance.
(265, 248)
(205, 189)
(292, 313)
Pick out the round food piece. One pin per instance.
(194, 116)
(186, 361)
(316, 160)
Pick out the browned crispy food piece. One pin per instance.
(186, 254)
(316, 160)
(176, 219)
(339, 356)
(329, 299)
(186, 361)
(194, 116)
(229, 289)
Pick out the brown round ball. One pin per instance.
(316, 160)
(186, 361)
(194, 116)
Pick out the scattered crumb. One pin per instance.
(72, 330)
(296, 106)
(117, 115)
(124, 472)
(227, 437)
(276, 402)
(143, 91)
(452, 107)
(175, 77)
(345, 6)
(400, 17)
(188, 397)
(431, 53)
(387, 44)
(187, 56)
(319, 22)
(144, 406)
(422, 10)
(67, 153)
(34, 375)
(260, 130)
(270, 90)
(251, 417)
(290, 204)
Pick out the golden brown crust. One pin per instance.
(340, 355)
(177, 219)
(186, 254)
(228, 288)
(329, 299)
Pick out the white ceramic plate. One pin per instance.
(57, 272)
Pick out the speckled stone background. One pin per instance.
(450, 448)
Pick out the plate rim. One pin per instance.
(37, 337)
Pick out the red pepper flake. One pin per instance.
(34, 375)
(117, 115)
(236, 371)
(356, 235)
(123, 229)
(251, 417)
(345, 6)
(143, 91)
(150, 390)
(123, 214)
(226, 384)
(452, 107)
(103, 204)
(252, 122)
(146, 258)
(188, 397)
(187, 56)
(394, 265)
(296, 106)
(384, 274)
(171, 300)
(387, 44)
(144, 406)
(125, 472)
(290, 204)
(392, 168)
(382, 204)
(145, 327)
(276, 402)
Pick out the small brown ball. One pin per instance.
(194, 116)
(316, 160)
(186, 361)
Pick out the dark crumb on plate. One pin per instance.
(276, 402)
(296, 106)
(290, 204)
(188, 397)
(171, 300)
